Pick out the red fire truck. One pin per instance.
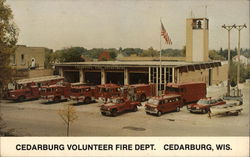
(25, 93)
(26, 89)
(55, 92)
(105, 91)
(190, 92)
(84, 94)
(140, 92)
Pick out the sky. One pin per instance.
(58, 24)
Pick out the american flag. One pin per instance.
(165, 35)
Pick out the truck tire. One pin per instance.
(143, 98)
(87, 100)
(114, 112)
(204, 111)
(159, 113)
(21, 98)
(178, 109)
(135, 109)
(103, 113)
(57, 99)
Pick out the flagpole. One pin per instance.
(160, 61)
(168, 41)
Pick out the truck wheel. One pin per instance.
(57, 99)
(204, 111)
(159, 113)
(135, 109)
(143, 98)
(21, 98)
(178, 109)
(103, 113)
(114, 112)
(87, 100)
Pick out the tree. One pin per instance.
(174, 52)
(150, 52)
(48, 59)
(113, 53)
(224, 53)
(68, 115)
(8, 39)
(214, 55)
(130, 51)
(72, 54)
(244, 72)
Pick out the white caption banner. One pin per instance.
(125, 146)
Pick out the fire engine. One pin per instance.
(55, 92)
(139, 92)
(117, 105)
(82, 94)
(105, 91)
(25, 93)
(26, 89)
(190, 92)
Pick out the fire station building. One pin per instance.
(194, 67)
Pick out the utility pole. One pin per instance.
(228, 28)
(239, 28)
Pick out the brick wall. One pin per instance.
(23, 56)
(219, 74)
(40, 73)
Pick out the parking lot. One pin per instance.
(33, 118)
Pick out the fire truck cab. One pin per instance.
(82, 94)
(140, 92)
(55, 92)
(25, 93)
(105, 91)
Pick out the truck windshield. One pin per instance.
(172, 89)
(105, 90)
(118, 101)
(43, 90)
(49, 90)
(75, 90)
(153, 101)
(203, 102)
(115, 100)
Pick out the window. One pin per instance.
(161, 102)
(22, 59)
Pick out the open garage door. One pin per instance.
(71, 76)
(115, 77)
(135, 78)
(93, 78)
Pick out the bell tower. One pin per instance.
(197, 39)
